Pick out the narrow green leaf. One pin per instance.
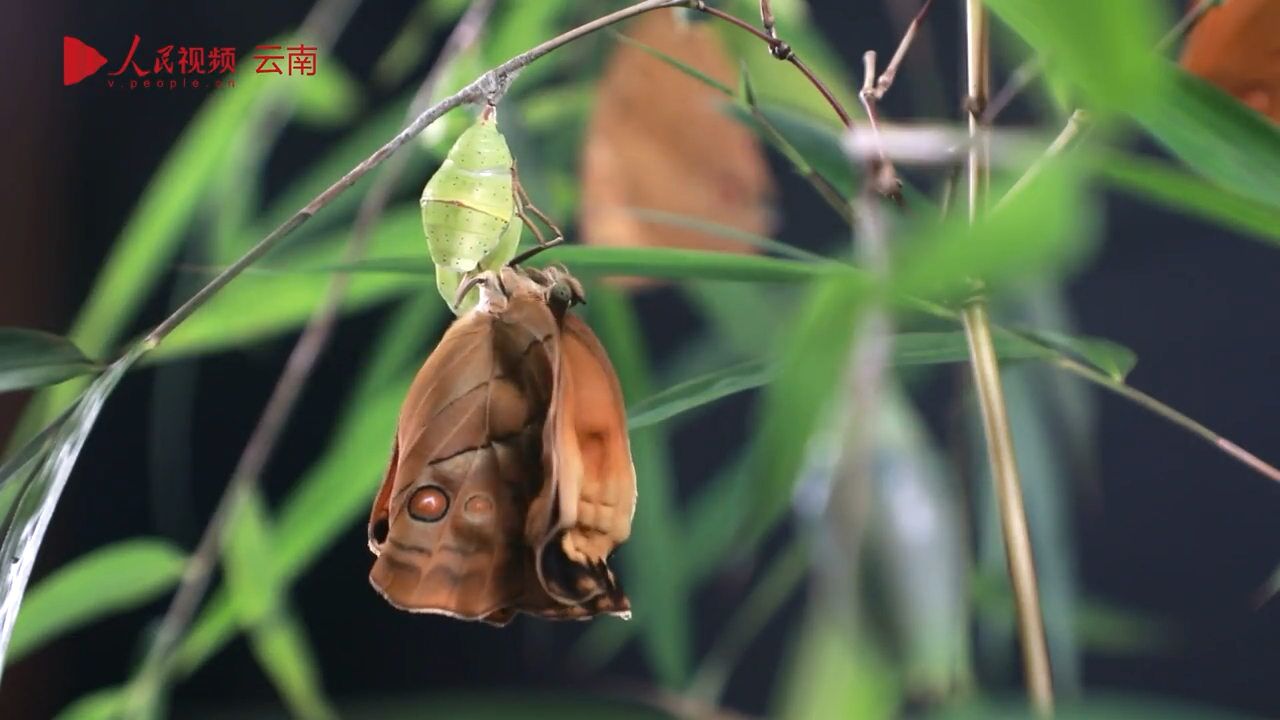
(329, 98)
(922, 348)
(658, 590)
(27, 517)
(499, 705)
(37, 447)
(1039, 231)
(30, 358)
(256, 589)
(279, 642)
(1111, 358)
(662, 263)
(834, 670)
(778, 582)
(678, 64)
(1106, 48)
(238, 316)
(1183, 192)
(727, 232)
(807, 142)
(809, 373)
(258, 593)
(106, 581)
(1217, 136)
(104, 704)
(697, 392)
(155, 227)
(1095, 707)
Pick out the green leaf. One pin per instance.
(806, 141)
(259, 595)
(237, 316)
(279, 642)
(27, 516)
(697, 392)
(678, 64)
(662, 263)
(329, 98)
(809, 372)
(1181, 191)
(30, 358)
(659, 591)
(499, 705)
(154, 229)
(1106, 48)
(919, 348)
(778, 582)
(37, 447)
(1217, 136)
(727, 232)
(1095, 707)
(106, 581)
(104, 704)
(1037, 232)
(835, 671)
(1111, 358)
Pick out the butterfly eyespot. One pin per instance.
(478, 507)
(428, 503)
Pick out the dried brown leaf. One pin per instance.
(1236, 46)
(660, 140)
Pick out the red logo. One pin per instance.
(173, 66)
(79, 60)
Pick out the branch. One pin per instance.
(990, 392)
(779, 49)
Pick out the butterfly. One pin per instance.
(511, 480)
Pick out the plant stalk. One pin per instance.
(986, 377)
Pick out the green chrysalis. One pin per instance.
(469, 209)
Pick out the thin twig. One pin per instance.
(884, 179)
(782, 51)
(1168, 413)
(990, 392)
(1031, 68)
(891, 70)
(767, 21)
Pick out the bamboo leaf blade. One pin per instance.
(31, 509)
(105, 581)
(31, 358)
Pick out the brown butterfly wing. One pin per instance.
(588, 502)
(448, 523)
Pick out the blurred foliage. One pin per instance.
(887, 630)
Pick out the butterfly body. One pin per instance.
(511, 480)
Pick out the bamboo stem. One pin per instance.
(986, 376)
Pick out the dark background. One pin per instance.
(1175, 529)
